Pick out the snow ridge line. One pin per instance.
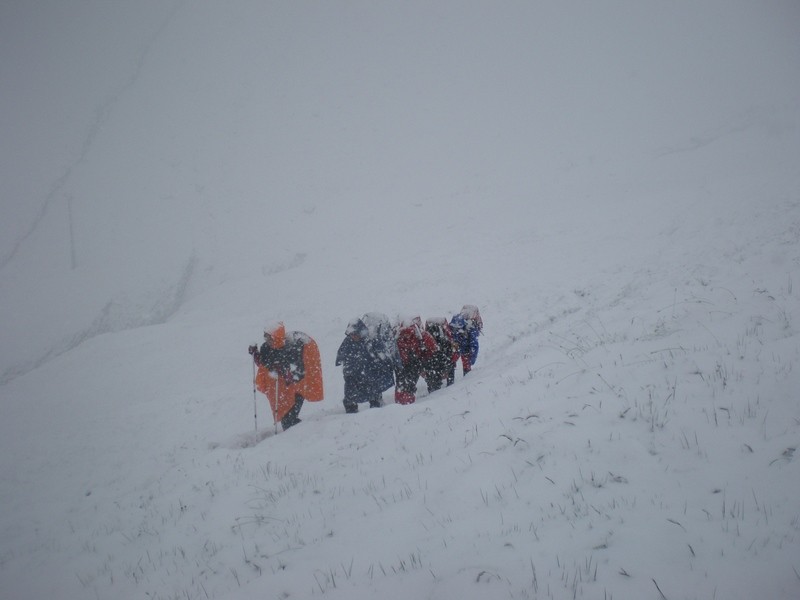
(102, 114)
(115, 316)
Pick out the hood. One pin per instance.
(458, 322)
(356, 326)
(404, 321)
(277, 331)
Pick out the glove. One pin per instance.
(252, 349)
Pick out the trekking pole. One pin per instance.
(275, 410)
(255, 404)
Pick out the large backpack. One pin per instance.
(472, 316)
(380, 334)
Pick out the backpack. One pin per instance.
(472, 316)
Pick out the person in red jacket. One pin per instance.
(417, 348)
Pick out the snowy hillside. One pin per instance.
(614, 184)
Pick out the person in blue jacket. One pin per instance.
(466, 326)
(356, 362)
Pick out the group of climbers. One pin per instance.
(375, 356)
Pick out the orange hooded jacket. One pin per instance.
(293, 367)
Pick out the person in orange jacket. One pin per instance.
(289, 372)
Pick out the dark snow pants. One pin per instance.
(293, 416)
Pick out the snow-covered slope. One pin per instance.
(615, 186)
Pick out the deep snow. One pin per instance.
(614, 184)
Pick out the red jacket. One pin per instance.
(415, 345)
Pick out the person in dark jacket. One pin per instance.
(442, 366)
(466, 326)
(357, 366)
(416, 348)
(382, 347)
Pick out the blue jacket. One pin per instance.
(465, 334)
